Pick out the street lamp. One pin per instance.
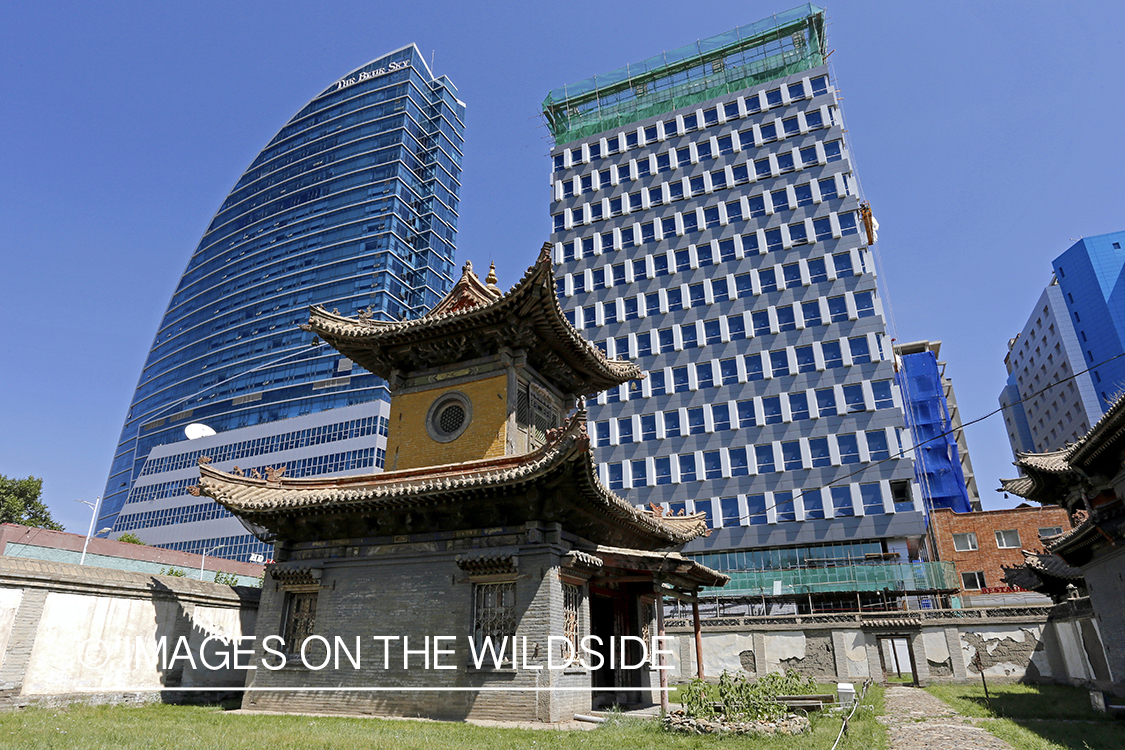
(204, 559)
(93, 517)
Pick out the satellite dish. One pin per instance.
(198, 430)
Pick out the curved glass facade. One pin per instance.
(353, 205)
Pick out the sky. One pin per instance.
(987, 137)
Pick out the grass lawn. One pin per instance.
(165, 726)
(1037, 717)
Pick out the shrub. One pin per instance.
(741, 700)
(226, 579)
(174, 572)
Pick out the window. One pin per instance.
(798, 235)
(853, 398)
(818, 270)
(786, 319)
(644, 344)
(773, 243)
(833, 357)
(572, 600)
(779, 363)
(667, 339)
(1008, 539)
(814, 505)
(746, 414)
(687, 467)
(821, 457)
(689, 334)
(762, 168)
(676, 299)
(843, 264)
(791, 455)
(712, 331)
(763, 455)
(771, 409)
(837, 309)
(757, 206)
(767, 279)
(865, 304)
(882, 391)
(695, 420)
(753, 367)
(300, 617)
(657, 381)
(826, 402)
(616, 477)
(631, 308)
(827, 191)
(743, 286)
(814, 119)
(849, 449)
(729, 508)
(823, 229)
(712, 465)
(720, 416)
(877, 445)
(966, 542)
(785, 161)
(902, 496)
(696, 295)
(809, 158)
(639, 472)
(842, 501)
(1049, 531)
(672, 424)
(806, 361)
(761, 321)
(791, 272)
(810, 311)
(739, 464)
(861, 352)
(756, 510)
(663, 466)
(798, 406)
(972, 581)
(783, 507)
(625, 430)
(872, 497)
(773, 98)
(494, 611)
(726, 251)
(832, 151)
(680, 382)
(736, 326)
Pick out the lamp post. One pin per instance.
(204, 559)
(93, 517)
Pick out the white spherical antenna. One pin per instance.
(198, 430)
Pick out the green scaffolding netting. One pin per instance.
(781, 45)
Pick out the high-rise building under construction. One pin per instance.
(707, 225)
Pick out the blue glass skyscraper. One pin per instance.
(353, 204)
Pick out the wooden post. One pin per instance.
(698, 638)
(660, 661)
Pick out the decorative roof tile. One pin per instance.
(472, 321)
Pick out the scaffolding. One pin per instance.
(782, 45)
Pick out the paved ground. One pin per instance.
(917, 720)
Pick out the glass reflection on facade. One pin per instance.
(352, 205)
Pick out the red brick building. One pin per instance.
(980, 543)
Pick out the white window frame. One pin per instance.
(1000, 539)
(968, 536)
(978, 576)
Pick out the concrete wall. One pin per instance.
(73, 633)
(1036, 644)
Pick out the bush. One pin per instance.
(226, 579)
(741, 700)
(174, 572)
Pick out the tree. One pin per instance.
(20, 502)
(130, 538)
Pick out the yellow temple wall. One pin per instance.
(409, 445)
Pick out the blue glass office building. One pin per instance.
(353, 205)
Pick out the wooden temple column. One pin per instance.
(698, 636)
(661, 666)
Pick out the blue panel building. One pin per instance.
(353, 205)
(1091, 277)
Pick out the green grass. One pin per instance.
(164, 726)
(1036, 717)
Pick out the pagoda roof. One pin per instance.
(476, 320)
(556, 483)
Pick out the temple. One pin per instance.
(489, 526)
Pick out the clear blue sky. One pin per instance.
(987, 137)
